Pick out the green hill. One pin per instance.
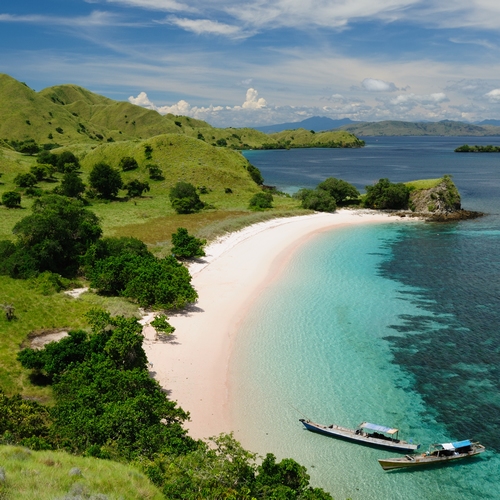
(69, 114)
(47, 475)
(401, 128)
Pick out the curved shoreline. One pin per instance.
(193, 365)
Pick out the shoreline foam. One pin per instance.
(193, 364)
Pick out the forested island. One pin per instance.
(477, 149)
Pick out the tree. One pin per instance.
(54, 237)
(46, 157)
(185, 199)
(262, 200)
(11, 199)
(340, 190)
(135, 188)
(385, 194)
(155, 172)
(255, 174)
(67, 162)
(71, 185)
(316, 199)
(128, 163)
(159, 283)
(25, 180)
(105, 180)
(186, 246)
(30, 148)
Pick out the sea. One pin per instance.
(391, 323)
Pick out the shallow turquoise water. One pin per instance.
(320, 341)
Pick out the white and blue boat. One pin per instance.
(439, 453)
(366, 433)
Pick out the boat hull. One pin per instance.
(411, 462)
(337, 431)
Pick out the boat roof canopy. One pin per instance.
(379, 428)
(456, 444)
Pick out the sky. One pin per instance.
(251, 63)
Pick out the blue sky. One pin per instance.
(249, 63)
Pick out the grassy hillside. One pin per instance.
(442, 128)
(68, 114)
(47, 475)
(305, 138)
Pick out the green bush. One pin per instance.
(11, 199)
(261, 201)
(185, 199)
(128, 163)
(155, 172)
(135, 188)
(386, 195)
(317, 199)
(186, 246)
(25, 180)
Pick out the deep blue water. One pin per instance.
(408, 329)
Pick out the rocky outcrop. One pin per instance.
(440, 203)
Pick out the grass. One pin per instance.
(424, 184)
(49, 475)
(36, 312)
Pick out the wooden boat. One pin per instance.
(438, 453)
(366, 433)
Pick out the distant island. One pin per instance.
(446, 128)
(389, 127)
(477, 149)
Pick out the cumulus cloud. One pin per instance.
(423, 100)
(493, 95)
(253, 101)
(374, 85)
(142, 100)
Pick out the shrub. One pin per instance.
(385, 194)
(340, 190)
(186, 246)
(255, 174)
(135, 188)
(185, 199)
(260, 201)
(25, 180)
(128, 163)
(155, 172)
(11, 199)
(67, 162)
(317, 199)
(148, 152)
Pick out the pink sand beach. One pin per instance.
(193, 365)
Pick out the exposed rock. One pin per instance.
(440, 203)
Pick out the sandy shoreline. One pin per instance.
(193, 366)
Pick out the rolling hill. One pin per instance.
(69, 114)
(399, 128)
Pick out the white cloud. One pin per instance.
(413, 99)
(202, 26)
(142, 100)
(159, 5)
(493, 96)
(253, 101)
(374, 85)
(95, 18)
